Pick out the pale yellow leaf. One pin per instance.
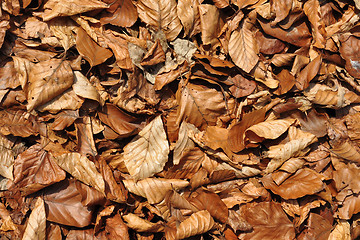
(83, 88)
(198, 223)
(269, 129)
(141, 225)
(148, 152)
(36, 225)
(162, 15)
(154, 189)
(47, 80)
(81, 168)
(60, 8)
(341, 231)
(243, 48)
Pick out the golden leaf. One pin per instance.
(211, 24)
(63, 29)
(7, 157)
(161, 15)
(154, 189)
(345, 150)
(148, 152)
(243, 48)
(141, 225)
(36, 225)
(81, 168)
(47, 80)
(341, 231)
(184, 142)
(198, 223)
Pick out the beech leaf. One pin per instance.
(36, 226)
(198, 223)
(147, 153)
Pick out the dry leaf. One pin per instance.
(82, 169)
(90, 50)
(161, 15)
(189, 16)
(211, 23)
(35, 169)
(243, 48)
(36, 226)
(313, 12)
(141, 225)
(269, 221)
(199, 105)
(154, 189)
(147, 153)
(120, 13)
(47, 80)
(18, 123)
(303, 182)
(59, 8)
(198, 223)
(184, 142)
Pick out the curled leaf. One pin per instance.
(198, 223)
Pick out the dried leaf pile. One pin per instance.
(170, 119)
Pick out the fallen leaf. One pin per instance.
(147, 153)
(189, 16)
(47, 80)
(198, 223)
(199, 105)
(57, 8)
(243, 48)
(36, 226)
(120, 13)
(303, 182)
(162, 16)
(154, 189)
(90, 50)
(35, 169)
(18, 123)
(141, 225)
(211, 23)
(82, 169)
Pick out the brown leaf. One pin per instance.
(59, 8)
(119, 47)
(349, 51)
(90, 50)
(199, 105)
(63, 203)
(318, 228)
(8, 77)
(18, 123)
(189, 16)
(47, 80)
(154, 56)
(308, 73)
(269, 221)
(269, 45)
(8, 151)
(121, 13)
(303, 182)
(237, 132)
(313, 122)
(154, 189)
(211, 23)
(207, 200)
(147, 153)
(4, 26)
(170, 74)
(35, 169)
(297, 35)
(84, 135)
(313, 12)
(161, 15)
(281, 8)
(198, 223)
(286, 82)
(123, 124)
(36, 225)
(243, 48)
(117, 228)
(184, 142)
(141, 225)
(242, 87)
(82, 169)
